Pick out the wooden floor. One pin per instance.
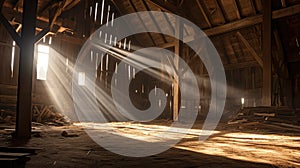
(228, 147)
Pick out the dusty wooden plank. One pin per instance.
(237, 121)
(265, 114)
(288, 125)
(281, 128)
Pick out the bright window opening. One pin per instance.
(81, 78)
(42, 61)
(13, 49)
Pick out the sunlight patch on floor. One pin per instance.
(261, 148)
(144, 132)
(271, 149)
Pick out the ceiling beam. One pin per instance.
(10, 29)
(166, 7)
(250, 48)
(203, 13)
(249, 21)
(289, 11)
(121, 12)
(141, 21)
(52, 20)
(154, 20)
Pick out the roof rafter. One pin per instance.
(154, 20)
(250, 48)
(203, 13)
(169, 8)
(249, 21)
(141, 20)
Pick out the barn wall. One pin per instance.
(8, 78)
(55, 90)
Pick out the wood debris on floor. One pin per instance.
(274, 118)
(44, 114)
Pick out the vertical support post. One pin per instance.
(267, 57)
(178, 52)
(23, 124)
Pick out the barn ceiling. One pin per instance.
(234, 26)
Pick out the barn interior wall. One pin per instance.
(243, 82)
(56, 90)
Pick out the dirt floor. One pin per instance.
(227, 147)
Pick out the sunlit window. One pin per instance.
(42, 61)
(81, 78)
(12, 59)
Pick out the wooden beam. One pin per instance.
(289, 11)
(10, 29)
(221, 7)
(52, 20)
(170, 26)
(122, 11)
(166, 45)
(203, 13)
(178, 52)
(166, 7)
(251, 50)
(142, 22)
(24, 101)
(238, 14)
(59, 9)
(246, 22)
(267, 57)
(19, 12)
(154, 20)
(41, 34)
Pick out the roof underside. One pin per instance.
(234, 26)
